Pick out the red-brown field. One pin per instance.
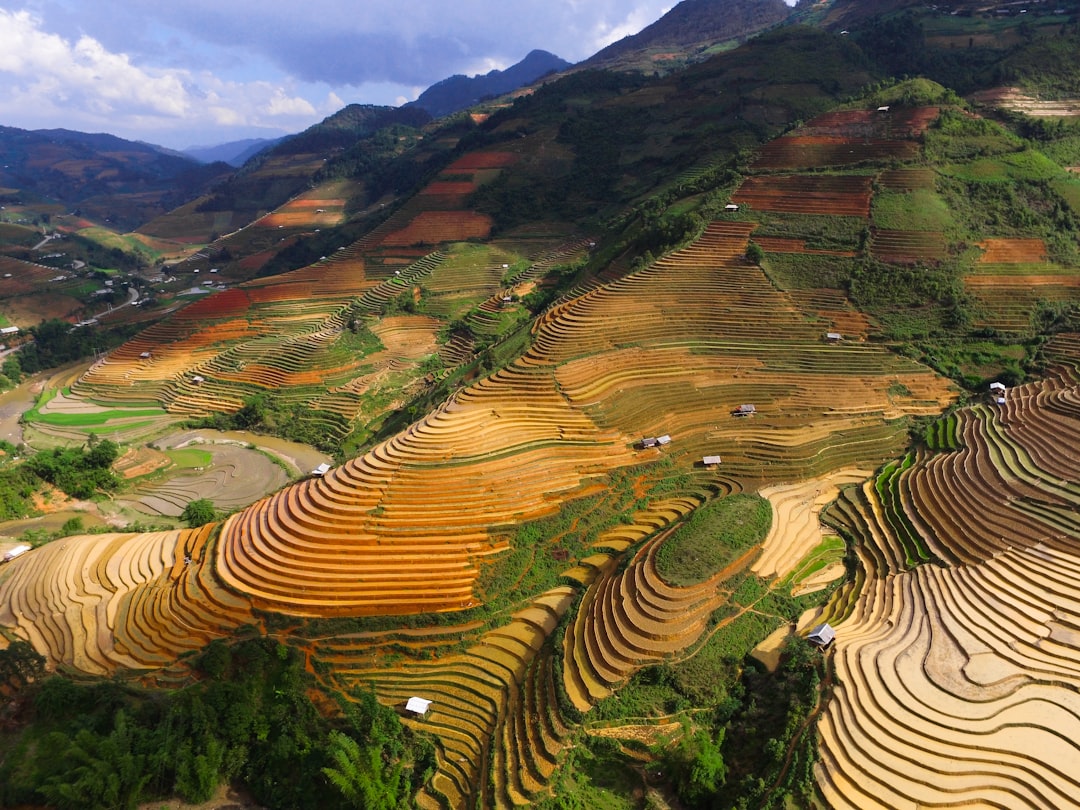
(433, 227)
(782, 244)
(841, 195)
(1012, 251)
(475, 161)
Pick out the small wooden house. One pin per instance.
(711, 461)
(745, 410)
(417, 706)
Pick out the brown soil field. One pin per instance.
(432, 227)
(1009, 251)
(482, 160)
(846, 195)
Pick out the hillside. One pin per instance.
(110, 179)
(628, 385)
(459, 92)
(690, 31)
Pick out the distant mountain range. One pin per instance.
(235, 153)
(460, 92)
(111, 179)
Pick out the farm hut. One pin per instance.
(711, 461)
(884, 108)
(417, 706)
(321, 470)
(997, 388)
(1000, 400)
(662, 440)
(731, 207)
(507, 300)
(833, 337)
(649, 442)
(745, 410)
(144, 355)
(822, 635)
(15, 552)
(198, 379)
(9, 330)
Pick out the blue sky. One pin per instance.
(200, 72)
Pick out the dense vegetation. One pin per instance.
(104, 745)
(78, 472)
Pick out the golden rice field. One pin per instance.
(955, 666)
(955, 681)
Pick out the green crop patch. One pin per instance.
(1026, 165)
(919, 210)
(712, 537)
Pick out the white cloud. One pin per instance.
(607, 33)
(51, 81)
(281, 104)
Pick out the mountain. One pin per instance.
(691, 30)
(287, 168)
(458, 92)
(127, 182)
(235, 153)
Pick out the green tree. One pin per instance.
(20, 664)
(199, 512)
(361, 776)
(97, 772)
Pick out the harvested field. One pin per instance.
(796, 528)
(1012, 251)
(954, 681)
(433, 227)
(842, 194)
(1016, 100)
(236, 477)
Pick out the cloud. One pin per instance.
(82, 75)
(639, 18)
(143, 68)
(51, 81)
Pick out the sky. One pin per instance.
(183, 73)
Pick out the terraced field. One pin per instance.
(1014, 278)
(957, 634)
(105, 602)
(841, 194)
(955, 681)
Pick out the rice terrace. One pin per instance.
(706, 438)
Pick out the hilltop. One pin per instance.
(459, 92)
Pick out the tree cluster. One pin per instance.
(251, 719)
